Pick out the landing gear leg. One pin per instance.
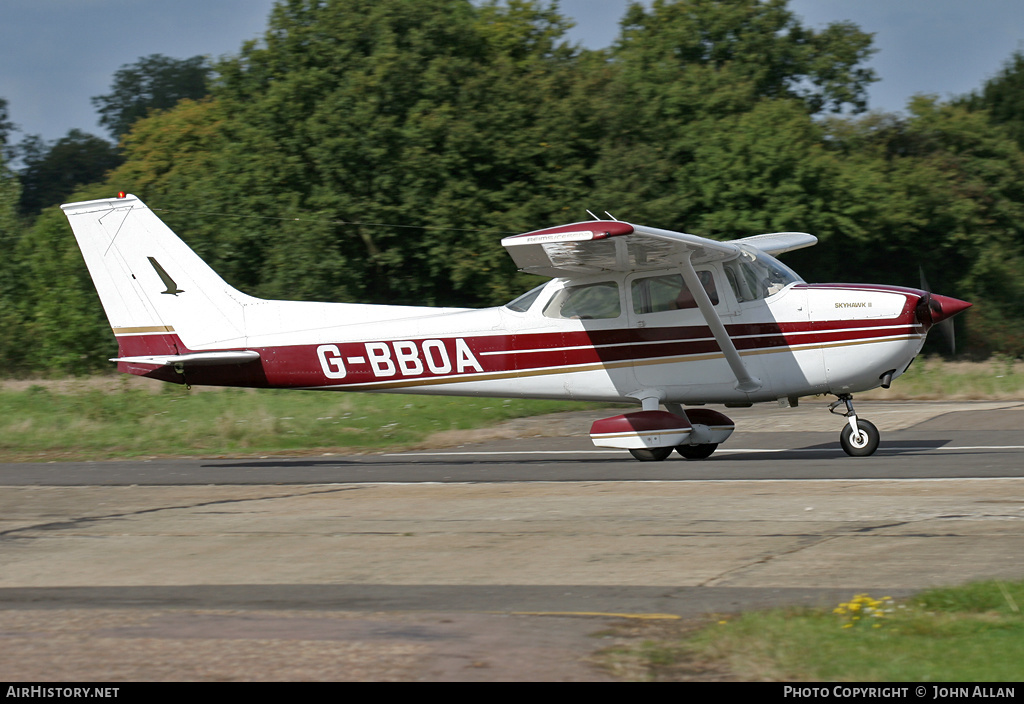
(859, 437)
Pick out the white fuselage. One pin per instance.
(797, 341)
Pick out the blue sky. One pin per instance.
(56, 54)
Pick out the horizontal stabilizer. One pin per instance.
(196, 359)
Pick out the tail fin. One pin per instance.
(155, 291)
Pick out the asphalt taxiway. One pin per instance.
(495, 560)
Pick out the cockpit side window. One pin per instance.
(655, 294)
(743, 280)
(754, 275)
(586, 302)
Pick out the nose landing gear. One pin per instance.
(859, 437)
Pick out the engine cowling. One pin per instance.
(932, 308)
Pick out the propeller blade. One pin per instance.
(946, 326)
(939, 311)
(924, 281)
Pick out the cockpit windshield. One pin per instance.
(754, 275)
(523, 303)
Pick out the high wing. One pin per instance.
(591, 247)
(585, 248)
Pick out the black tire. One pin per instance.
(697, 452)
(654, 454)
(864, 446)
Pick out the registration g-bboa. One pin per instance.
(666, 320)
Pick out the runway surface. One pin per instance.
(498, 560)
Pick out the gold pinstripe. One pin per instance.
(148, 328)
(466, 378)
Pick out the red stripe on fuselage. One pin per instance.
(427, 360)
(470, 357)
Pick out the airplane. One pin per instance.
(628, 313)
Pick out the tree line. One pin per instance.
(377, 151)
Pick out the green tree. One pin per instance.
(757, 45)
(61, 312)
(6, 126)
(692, 82)
(11, 349)
(154, 82)
(377, 149)
(941, 190)
(1003, 97)
(765, 170)
(51, 171)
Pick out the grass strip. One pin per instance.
(973, 633)
(931, 378)
(94, 423)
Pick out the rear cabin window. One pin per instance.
(656, 294)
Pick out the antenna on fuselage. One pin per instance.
(592, 215)
(611, 216)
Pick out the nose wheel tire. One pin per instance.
(697, 452)
(654, 454)
(862, 444)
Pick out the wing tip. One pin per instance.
(779, 242)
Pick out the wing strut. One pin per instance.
(745, 382)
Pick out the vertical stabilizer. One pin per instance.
(152, 286)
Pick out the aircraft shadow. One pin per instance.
(816, 452)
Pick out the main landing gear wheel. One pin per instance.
(653, 454)
(697, 452)
(862, 444)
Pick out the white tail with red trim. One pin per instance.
(149, 280)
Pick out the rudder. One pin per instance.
(154, 289)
